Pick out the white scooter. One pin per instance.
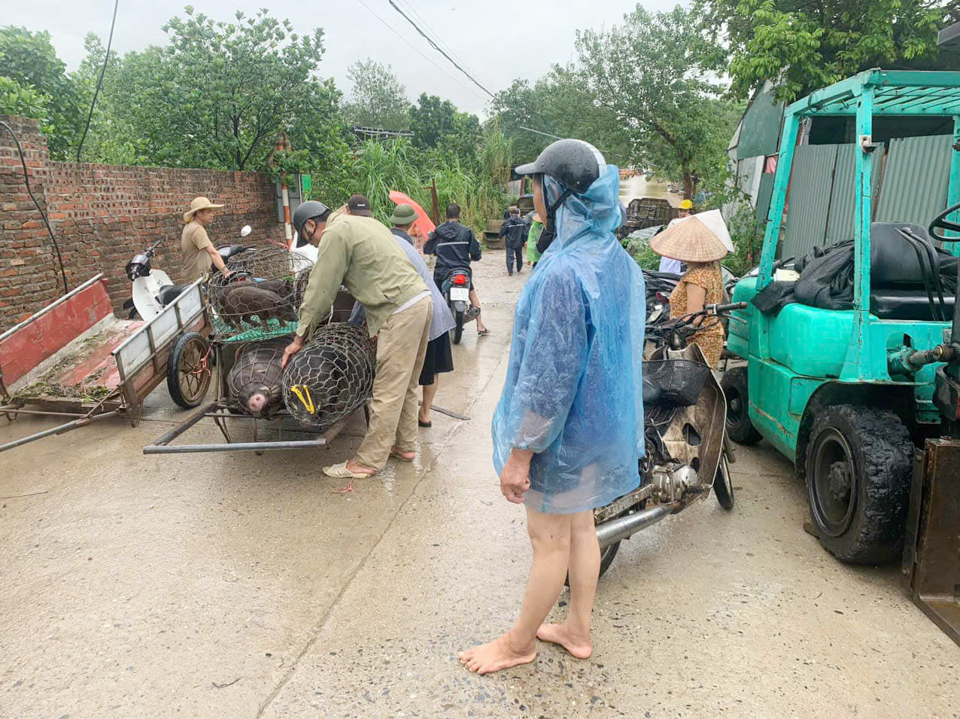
(153, 289)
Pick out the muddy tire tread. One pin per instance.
(883, 456)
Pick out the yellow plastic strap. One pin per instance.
(307, 401)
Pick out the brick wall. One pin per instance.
(102, 215)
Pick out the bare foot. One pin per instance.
(561, 634)
(496, 655)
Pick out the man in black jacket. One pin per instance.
(514, 230)
(455, 248)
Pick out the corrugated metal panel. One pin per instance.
(843, 202)
(916, 179)
(809, 197)
(759, 131)
(763, 197)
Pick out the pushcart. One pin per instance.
(74, 359)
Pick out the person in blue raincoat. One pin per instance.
(568, 431)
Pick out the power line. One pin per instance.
(417, 50)
(103, 71)
(439, 49)
(437, 37)
(43, 215)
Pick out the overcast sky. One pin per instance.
(498, 40)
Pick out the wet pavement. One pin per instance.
(242, 586)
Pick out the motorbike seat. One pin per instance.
(171, 292)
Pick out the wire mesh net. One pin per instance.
(261, 297)
(331, 376)
(254, 382)
(679, 381)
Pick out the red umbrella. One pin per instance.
(423, 223)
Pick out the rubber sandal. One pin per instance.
(340, 471)
(483, 332)
(424, 424)
(397, 455)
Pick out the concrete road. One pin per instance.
(239, 586)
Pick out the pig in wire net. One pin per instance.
(331, 376)
(257, 365)
(262, 296)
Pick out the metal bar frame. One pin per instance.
(217, 410)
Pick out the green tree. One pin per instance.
(801, 46)
(653, 73)
(378, 98)
(35, 83)
(546, 106)
(216, 96)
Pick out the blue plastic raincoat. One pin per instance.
(573, 392)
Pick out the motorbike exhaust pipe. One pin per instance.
(615, 530)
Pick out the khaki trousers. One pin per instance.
(401, 346)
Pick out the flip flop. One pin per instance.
(340, 471)
(483, 332)
(424, 424)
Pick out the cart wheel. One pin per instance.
(723, 484)
(188, 370)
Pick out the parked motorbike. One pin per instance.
(152, 289)
(687, 451)
(456, 291)
(659, 285)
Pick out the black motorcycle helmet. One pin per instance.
(308, 211)
(573, 163)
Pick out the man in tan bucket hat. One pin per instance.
(196, 250)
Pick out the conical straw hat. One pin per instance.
(689, 241)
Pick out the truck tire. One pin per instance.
(859, 464)
(735, 388)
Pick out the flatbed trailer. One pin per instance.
(75, 359)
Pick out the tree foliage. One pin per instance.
(378, 99)
(653, 73)
(801, 46)
(34, 83)
(547, 106)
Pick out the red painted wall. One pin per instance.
(102, 215)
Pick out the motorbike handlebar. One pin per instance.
(724, 309)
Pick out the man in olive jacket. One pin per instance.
(356, 251)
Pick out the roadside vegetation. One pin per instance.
(661, 92)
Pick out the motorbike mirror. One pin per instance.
(245, 230)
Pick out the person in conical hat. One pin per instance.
(692, 242)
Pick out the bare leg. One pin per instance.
(475, 301)
(550, 537)
(429, 394)
(574, 634)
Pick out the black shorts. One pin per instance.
(438, 359)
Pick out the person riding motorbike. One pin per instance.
(455, 247)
